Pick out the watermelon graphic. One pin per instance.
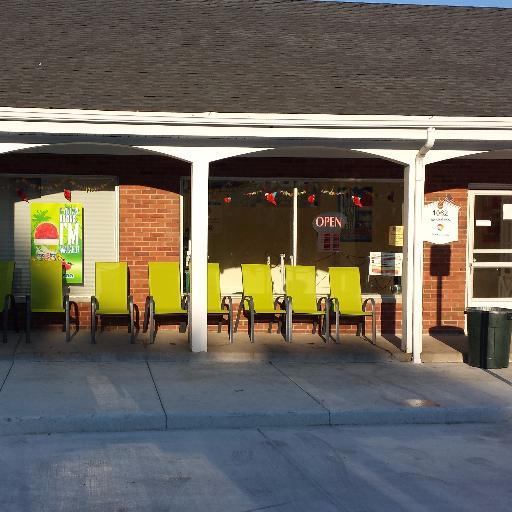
(46, 233)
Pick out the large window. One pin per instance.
(97, 195)
(368, 209)
(271, 221)
(250, 221)
(490, 247)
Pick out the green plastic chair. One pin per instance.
(165, 296)
(111, 287)
(346, 300)
(46, 295)
(218, 306)
(258, 296)
(7, 302)
(301, 297)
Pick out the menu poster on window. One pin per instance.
(396, 236)
(359, 227)
(385, 264)
(357, 204)
(57, 235)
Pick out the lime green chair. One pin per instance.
(301, 297)
(165, 296)
(346, 300)
(218, 306)
(111, 288)
(7, 302)
(46, 295)
(258, 296)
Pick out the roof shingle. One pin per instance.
(272, 56)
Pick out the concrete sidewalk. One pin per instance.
(172, 346)
(72, 396)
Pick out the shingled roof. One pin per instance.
(265, 56)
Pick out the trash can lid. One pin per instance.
(488, 309)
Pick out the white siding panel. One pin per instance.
(6, 221)
(100, 234)
(22, 247)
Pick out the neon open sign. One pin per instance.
(329, 222)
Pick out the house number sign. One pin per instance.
(441, 222)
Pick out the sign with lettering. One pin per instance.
(396, 236)
(385, 264)
(329, 226)
(441, 222)
(57, 234)
(329, 222)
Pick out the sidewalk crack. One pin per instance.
(6, 376)
(499, 377)
(18, 343)
(158, 394)
(303, 390)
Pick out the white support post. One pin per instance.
(417, 279)
(408, 250)
(198, 327)
(419, 201)
(295, 224)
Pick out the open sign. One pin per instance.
(329, 222)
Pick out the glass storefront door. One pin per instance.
(490, 248)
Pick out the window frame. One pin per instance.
(50, 176)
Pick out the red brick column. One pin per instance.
(149, 220)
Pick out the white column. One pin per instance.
(198, 327)
(417, 312)
(295, 225)
(408, 251)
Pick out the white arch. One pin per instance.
(440, 155)
(401, 157)
(214, 153)
(8, 147)
(115, 149)
(202, 153)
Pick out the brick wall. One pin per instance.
(388, 315)
(149, 230)
(444, 271)
(149, 214)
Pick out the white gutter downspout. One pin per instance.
(417, 285)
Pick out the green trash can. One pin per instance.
(489, 332)
(186, 281)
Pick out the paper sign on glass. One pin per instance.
(507, 211)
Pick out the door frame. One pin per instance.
(470, 251)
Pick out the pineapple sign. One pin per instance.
(57, 234)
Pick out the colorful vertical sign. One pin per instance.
(57, 234)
